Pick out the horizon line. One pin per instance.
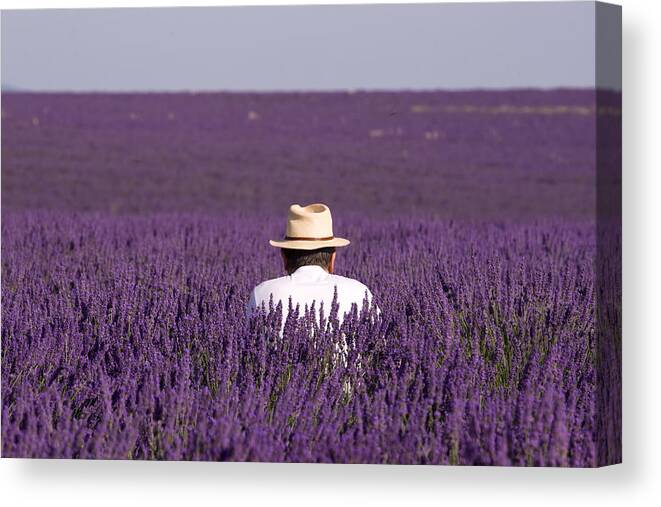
(350, 91)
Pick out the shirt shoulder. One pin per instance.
(353, 291)
(350, 284)
(268, 286)
(261, 293)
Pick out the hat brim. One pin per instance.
(307, 244)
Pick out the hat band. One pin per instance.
(308, 239)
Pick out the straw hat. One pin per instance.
(308, 228)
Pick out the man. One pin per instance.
(308, 255)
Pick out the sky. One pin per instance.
(302, 48)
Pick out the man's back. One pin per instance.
(308, 284)
(308, 255)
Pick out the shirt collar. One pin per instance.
(310, 272)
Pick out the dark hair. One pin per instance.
(294, 259)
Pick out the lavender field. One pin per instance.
(134, 227)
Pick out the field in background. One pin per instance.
(134, 226)
(512, 155)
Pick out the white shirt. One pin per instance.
(308, 284)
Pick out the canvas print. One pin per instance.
(381, 234)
